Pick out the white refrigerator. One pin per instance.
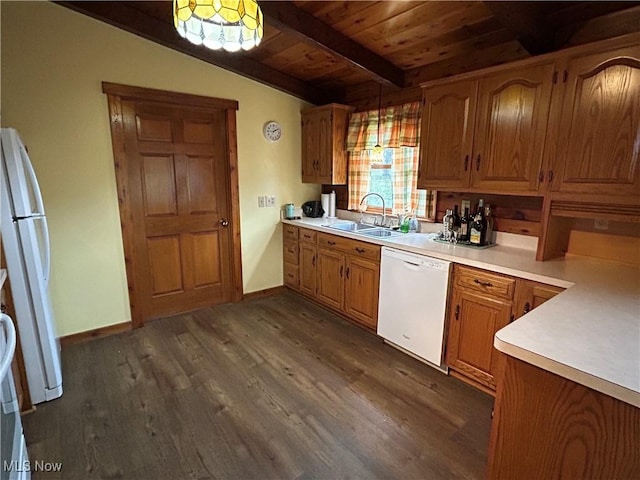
(25, 237)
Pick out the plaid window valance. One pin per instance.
(399, 127)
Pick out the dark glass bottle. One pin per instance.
(456, 218)
(488, 215)
(464, 225)
(478, 229)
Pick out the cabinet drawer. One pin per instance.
(307, 235)
(353, 247)
(290, 232)
(290, 252)
(494, 284)
(291, 275)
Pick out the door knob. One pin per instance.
(224, 222)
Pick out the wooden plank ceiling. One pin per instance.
(342, 52)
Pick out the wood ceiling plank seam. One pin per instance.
(412, 58)
(386, 42)
(370, 17)
(332, 12)
(311, 30)
(612, 25)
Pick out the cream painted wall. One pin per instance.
(53, 63)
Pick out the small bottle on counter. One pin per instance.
(464, 226)
(446, 233)
(488, 215)
(478, 229)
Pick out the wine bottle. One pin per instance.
(488, 215)
(478, 229)
(464, 225)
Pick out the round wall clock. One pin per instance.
(272, 131)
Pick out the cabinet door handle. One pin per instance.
(360, 250)
(348, 272)
(466, 162)
(512, 318)
(550, 176)
(313, 260)
(457, 314)
(478, 163)
(331, 242)
(483, 284)
(341, 270)
(527, 307)
(541, 177)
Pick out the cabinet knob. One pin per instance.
(224, 222)
(527, 307)
(478, 163)
(466, 162)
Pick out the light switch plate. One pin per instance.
(261, 201)
(270, 201)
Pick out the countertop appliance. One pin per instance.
(25, 237)
(313, 209)
(413, 299)
(13, 449)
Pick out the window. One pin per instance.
(395, 176)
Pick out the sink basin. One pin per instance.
(380, 232)
(352, 227)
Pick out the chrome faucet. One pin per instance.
(384, 215)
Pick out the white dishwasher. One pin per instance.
(412, 304)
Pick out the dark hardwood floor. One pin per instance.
(271, 388)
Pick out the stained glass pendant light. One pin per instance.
(219, 24)
(378, 151)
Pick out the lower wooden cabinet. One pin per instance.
(362, 284)
(331, 278)
(339, 272)
(482, 303)
(307, 268)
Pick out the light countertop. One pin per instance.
(590, 333)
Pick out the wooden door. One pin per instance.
(178, 177)
(446, 140)
(530, 295)
(474, 320)
(307, 266)
(511, 127)
(600, 127)
(362, 284)
(176, 169)
(331, 266)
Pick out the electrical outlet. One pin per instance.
(601, 224)
(270, 201)
(261, 201)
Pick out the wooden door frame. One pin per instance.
(116, 93)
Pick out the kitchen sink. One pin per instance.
(380, 232)
(352, 227)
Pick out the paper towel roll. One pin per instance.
(325, 199)
(332, 204)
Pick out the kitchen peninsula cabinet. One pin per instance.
(600, 121)
(481, 304)
(486, 133)
(324, 132)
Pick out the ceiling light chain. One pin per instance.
(231, 25)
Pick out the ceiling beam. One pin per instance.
(296, 22)
(525, 21)
(126, 17)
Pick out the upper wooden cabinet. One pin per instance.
(324, 130)
(447, 135)
(599, 138)
(487, 133)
